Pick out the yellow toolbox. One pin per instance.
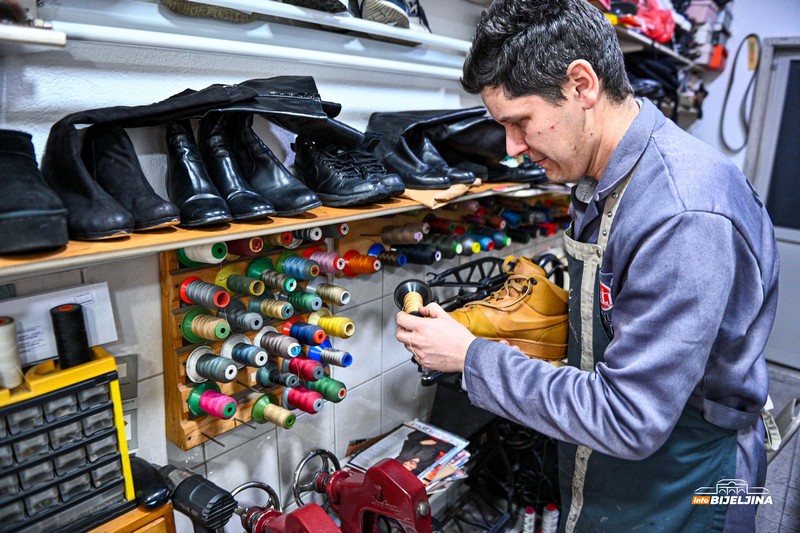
(64, 462)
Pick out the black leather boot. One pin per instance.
(264, 172)
(334, 178)
(244, 202)
(188, 184)
(371, 168)
(110, 158)
(32, 216)
(406, 147)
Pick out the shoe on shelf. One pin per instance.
(333, 177)
(196, 9)
(188, 183)
(110, 158)
(331, 6)
(416, 16)
(371, 168)
(529, 311)
(32, 216)
(264, 172)
(389, 12)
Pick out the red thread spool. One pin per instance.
(304, 399)
(440, 225)
(246, 247)
(305, 368)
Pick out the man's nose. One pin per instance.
(515, 144)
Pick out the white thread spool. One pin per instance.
(10, 366)
(210, 254)
(529, 520)
(550, 519)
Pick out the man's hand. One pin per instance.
(437, 341)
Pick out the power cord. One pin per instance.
(745, 119)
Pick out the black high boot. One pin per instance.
(110, 158)
(264, 172)
(244, 202)
(32, 216)
(188, 184)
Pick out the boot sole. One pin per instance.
(33, 231)
(385, 13)
(331, 6)
(334, 200)
(158, 224)
(299, 210)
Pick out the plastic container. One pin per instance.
(702, 11)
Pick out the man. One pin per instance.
(673, 270)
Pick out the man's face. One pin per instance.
(553, 136)
(411, 464)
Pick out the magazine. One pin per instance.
(422, 448)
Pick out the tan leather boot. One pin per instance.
(529, 311)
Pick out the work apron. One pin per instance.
(604, 493)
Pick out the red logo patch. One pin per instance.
(605, 297)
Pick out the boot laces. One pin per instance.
(515, 289)
(334, 160)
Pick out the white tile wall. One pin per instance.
(365, 346)
(358, 416)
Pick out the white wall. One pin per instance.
(774, 18)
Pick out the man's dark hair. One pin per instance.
(525, 47)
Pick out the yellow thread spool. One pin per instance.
(412, 302)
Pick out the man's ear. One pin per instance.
(583, 83)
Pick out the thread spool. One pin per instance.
(470, 245)
(335, 326)
(331, 389)
(303, 367)
(246, 247)
(416, 287)
(264, 269)
(297, 267)
(268, 306)
(267, 409)
(203, 254)
(512, 218)
(360, 264)
(240, 318)
(422, 227)
(206, 399)
(10, 365)
(270, 375)
(519, 235)
(203, 365)
(304, 333)
(308, 234)
(239, 348)
(199, 324)
(386, 257)
(304, 301)
(329, 262)
(336, 231)
(233, 281)
(193, 290)
(441, 225)
(328, 292)
(304, 399)
(446, 244)
(549, 519)
(469, 205)
(327, 355)
(486, 243)
(420, 254)
(495, 221)
(276, 344)
(529, 520)
(69, 328)
(401, 235)
(284, 238)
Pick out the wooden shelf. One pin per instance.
(82, 253)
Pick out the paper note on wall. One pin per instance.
(35, 339)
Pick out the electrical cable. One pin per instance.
(743, 117)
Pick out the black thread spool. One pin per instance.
(417, 291)
(69, 328)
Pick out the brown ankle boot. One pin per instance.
(529, 311)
